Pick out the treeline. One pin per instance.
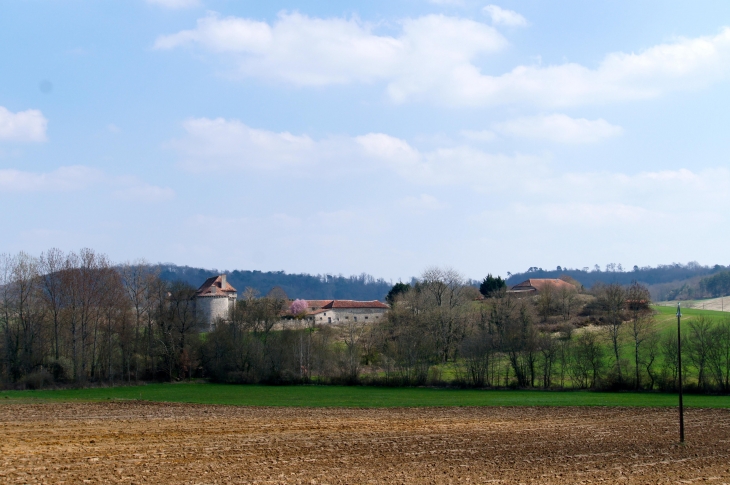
(615, 273)
(716, 285)
(76, 318)
(305, 286)
(440, 332)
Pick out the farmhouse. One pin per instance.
(536, 285)
(215, 299)
(341, 311)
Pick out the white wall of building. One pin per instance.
(341, 315)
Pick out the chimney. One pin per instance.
(223, 281)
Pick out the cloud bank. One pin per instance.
(436, 59)
(78, 177)
(222, 144)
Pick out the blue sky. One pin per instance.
(378, 137)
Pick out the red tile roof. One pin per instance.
(537, 284)
(212, 287)
(316, 304)
(332, 304)
(357, 304)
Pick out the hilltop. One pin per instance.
(665, 281)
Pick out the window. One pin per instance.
(355, 318)
(366, 318)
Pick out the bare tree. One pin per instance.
(587, 359)
(642, 328)
(138, 279)
(699, 346)
(51, 267)
(446, 292)
(719, 359)
(612, 299)
(568, 298)
(353, 333)
(546, 301)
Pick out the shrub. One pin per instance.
(38, 379)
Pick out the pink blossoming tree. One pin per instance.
(298, 307)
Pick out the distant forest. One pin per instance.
(665, 281)
(309, 287)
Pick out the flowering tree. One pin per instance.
(298, 307)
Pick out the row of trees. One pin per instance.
(77, 318)
(439, 331)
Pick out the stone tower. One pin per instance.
(215, 299)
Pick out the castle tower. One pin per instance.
(215, 299)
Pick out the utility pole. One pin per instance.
(679, 363)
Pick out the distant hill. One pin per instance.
(305, 286)
(666, 281)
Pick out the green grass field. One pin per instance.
(666, 317)
(360, 397)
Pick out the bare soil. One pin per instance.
(135, 442)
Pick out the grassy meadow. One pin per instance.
(355, 396)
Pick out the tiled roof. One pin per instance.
(356, 304)
(333, 304)
(316, 304)
(537, 284)
(212, 287)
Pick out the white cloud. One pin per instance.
(229, 144)
(314, 52)
(457, 165)
(79, 177)
(175, 4)
(26, 126)
(559, 128)
(685, 64)
(501, 16)
(219, 144)
(424, 203)
(434, 59)
(479, 136)
(141, 192)
(63, 179)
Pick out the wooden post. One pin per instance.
(679, 363)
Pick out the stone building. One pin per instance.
(215, 299)
(342, 311)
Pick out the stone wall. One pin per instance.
(209, 308)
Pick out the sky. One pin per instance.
(381, 137)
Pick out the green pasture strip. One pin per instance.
(688, 312)
(356, 397)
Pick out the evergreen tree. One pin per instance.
(490, 285)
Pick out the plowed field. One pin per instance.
(177, 443)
